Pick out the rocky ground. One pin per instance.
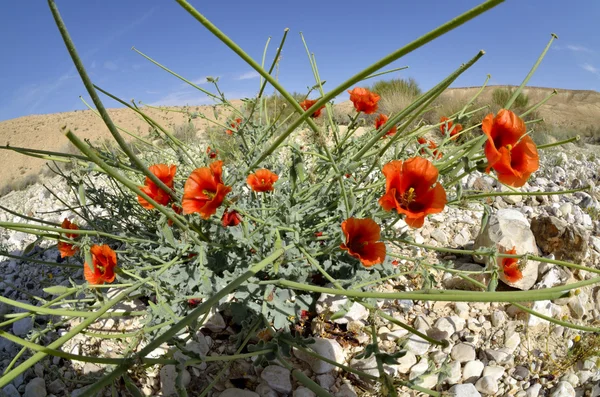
(495, 349)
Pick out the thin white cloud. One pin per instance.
(248, 75)
(193, 97)
(110, 65)
(200, 80)
(590, 68)
(579, 48)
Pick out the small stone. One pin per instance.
(56, 387)
(366, 365)
(38, 369)
(238, 393)
(500, 356)
(11, 391)
(464, 390)
(328, 348)
(278, 378)
(346, 390)
(303, 392)
(91, 368)
(520, 373)
(455, 373)
(168, 377)
(462, 309)
(386, 334)
(35, 388)
(418, 369)
(326, 381)
(494, 371)
(563, 389)
(264, 390)
(406, 362)
(512, 341)
(22, 327)
(215, 322)
(472, 371)
(487, 385)
(498, 318)
(534, 390)
(439, 236)
(450, 324)
(463, 352)
(416, 344)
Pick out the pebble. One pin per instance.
(487, 385)
(35, 388)
(326, 381)
(463, 352)
(346, 391)
(472, 371)
(494, 371)
(563, 389)
(264, 390)
(520, 373)
(406, 362)
(534, 390)
(464, 390)
(303, 392)
(416, 344)
(238, 393)
(168, 377)
(328, 348)
(11, 391)
(278, 378)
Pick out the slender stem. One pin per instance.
(421, 41)
(537, 105)
(98, 103)
(517, 92)
(559, 143)
(483, 195)
(302, 378)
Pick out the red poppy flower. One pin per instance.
(231, 218)
(432, 146)
(448, 125)
(307, 103)
(510, 267)
(510, 152)
(318, 234)
(178, 210)
(66, 224)
(104, 261)
(204, 190)
(362, 237)
(194, 302)
(166, 173)
(364, 100)
(412, 190)
(262, 180)
(380, 122)
(395, 262)
(66, 249)
(211, 153)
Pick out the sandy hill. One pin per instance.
(573, 110)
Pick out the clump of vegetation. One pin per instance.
(396, 94)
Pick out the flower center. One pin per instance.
(262, 181)
(408, 197)
(509, 147)
(210, 195)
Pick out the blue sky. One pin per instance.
(37, 76)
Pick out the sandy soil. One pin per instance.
(568, 110)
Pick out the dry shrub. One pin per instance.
(396, 94)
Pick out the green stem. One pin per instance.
(98, 103)
(494, 194)
(559, 143)
(302, 378)
(530, 74)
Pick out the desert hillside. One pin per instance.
(568, 111)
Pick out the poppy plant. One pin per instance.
(204, 191)
(262, 180)
(67, 224)
(509, 151)
(362, 237)
(230, 218)
(166, 173)
(211, 153)
(411, 189)
(364, 100)
(510, 267)
(235, 124)
(307, 103)
(380, 122)
(448, 125)
(431, 145)
(104, 262)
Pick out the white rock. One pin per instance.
(406, 362)
(168, 378)
(386, 334)
(462, 309)
(472, 371)
(464, 390)
(278, 378)
(512, 340)
(595, 242)
(303, 392)
(215, 322)
(501, 356)
(498, 318)
(534, 390)
(506, 229)
(418, 369)
(542, 307)
(238, 393)
(566, 209)
(416, 344)
(35, 388)
(439, 236)
(577, 305)
(563, 389)
(494, 371)
(357, 312)
(487, 385)
(326, 381)
(264, 390)
(455, 374)
(346, 390)
(328, 348)
(450, 324)
(463, 352)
